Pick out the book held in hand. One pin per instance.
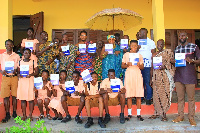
(124, 44)
(109, 48)
(9, 66)
(134, 58)
(29, 45)
(115, 85)
(157, 62)
(82, 48)
(24, 70)
(54, 79)
(38, 83)
(92, 48)
(65, 50)
(143, 44)
(180, 60)
(69, 86)
(86, 76)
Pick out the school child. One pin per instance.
(44, 95)
(94, 99)
(75, 99)
(30, 43)
(55, 103)
(111, 98)
(9, 81)
(133, 79)
(25, 91)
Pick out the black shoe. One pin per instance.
(130, 116)
(54, 118)
(89, 122)
(107, 118)
(14, 115)
(66, 119)
(148, 102)
(122, 119)
(139, 117)
(78, 119)
(60, 118)
(101, 123)
(6, 119)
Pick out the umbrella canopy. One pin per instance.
(114, 19)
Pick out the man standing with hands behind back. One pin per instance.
(185, 77)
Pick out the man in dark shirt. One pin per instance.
(185, 77)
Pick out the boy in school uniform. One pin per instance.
(75, 99)
(9, 79)
(93, 99)
(112, 98)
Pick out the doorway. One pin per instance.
(20, 25)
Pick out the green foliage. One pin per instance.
(25, 127)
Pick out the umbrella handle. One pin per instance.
(113, 23)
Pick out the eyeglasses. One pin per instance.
(83, 35)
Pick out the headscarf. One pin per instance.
(110, 36)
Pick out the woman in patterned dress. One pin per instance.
(46, 54)
(111, 61)
(163, 83)
(67, 61)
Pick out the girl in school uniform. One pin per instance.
(55, 103)
(44, 95)
(29, 40)
(133, 79)
(25, 92)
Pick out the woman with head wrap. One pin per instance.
(111, 61)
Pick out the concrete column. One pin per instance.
(6, 22)
(158, 20)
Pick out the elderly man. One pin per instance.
(185, 77)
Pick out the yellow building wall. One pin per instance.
(72, 14)
(6, 22)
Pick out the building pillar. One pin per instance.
(158, 20)
(6, 22)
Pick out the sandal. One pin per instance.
(31, 118)
(154, 117)
(139, 117)
(49, 117)
(164, 119)
(128, 118)
(40, 117)
(24, 118)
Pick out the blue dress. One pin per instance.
(112, 61)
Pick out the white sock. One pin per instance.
(129, 111)
(138, 111)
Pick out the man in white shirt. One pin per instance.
(146, 51)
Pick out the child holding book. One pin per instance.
(133, 78)
(58, 90)
(30, 42)
(44, 95)
(25, 92)
(111, 98)
(94, 99)
(9, 83)
(77, 98)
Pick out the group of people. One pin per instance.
(135, 79)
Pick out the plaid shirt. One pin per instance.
(189, 48)
(187, 74)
